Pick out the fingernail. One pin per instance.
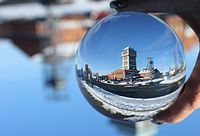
(157, 122)
(117, 4)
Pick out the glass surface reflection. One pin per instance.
(130, 66)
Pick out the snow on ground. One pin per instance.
(149, 81)
(174, 79)
(130, 106)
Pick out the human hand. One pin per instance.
(187, 102)
(189, 99)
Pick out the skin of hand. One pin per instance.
(187, 102)
(189, 98)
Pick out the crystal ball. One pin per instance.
(130, 66)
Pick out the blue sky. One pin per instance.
(150, 37)
(26, 111)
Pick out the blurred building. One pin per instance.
(27, 24)
(29, 35)
(32, 35)
(183, 30)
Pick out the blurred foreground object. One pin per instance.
(26, 24)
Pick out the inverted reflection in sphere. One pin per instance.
(130, 66)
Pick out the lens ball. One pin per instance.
(130, 66)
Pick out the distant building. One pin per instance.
(88, 73)
(150, 72)
(145, 73)
(118, 74)
(150, 64)
(103, 77)
(156, 74)
(95, 75)
(80, 73)
(128, 65)
(129, 59)
(121, 74)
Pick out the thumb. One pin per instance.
(187, 102)
(181, 109)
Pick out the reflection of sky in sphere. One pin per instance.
(150, 37)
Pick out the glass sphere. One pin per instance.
(130, 66)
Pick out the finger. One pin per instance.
(177, 112)
(172, 6)
(188, 101)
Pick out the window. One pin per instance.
(125, 52)
(125, 62)
(125, 57)
(126, 67)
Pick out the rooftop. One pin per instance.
(129, 48)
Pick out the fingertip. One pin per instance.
(164, 117)
(157, 122)
(168, 117)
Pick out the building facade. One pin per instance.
(121, 74)
(129, 67)
(129, 59)
(150, 72)
(118, 74)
